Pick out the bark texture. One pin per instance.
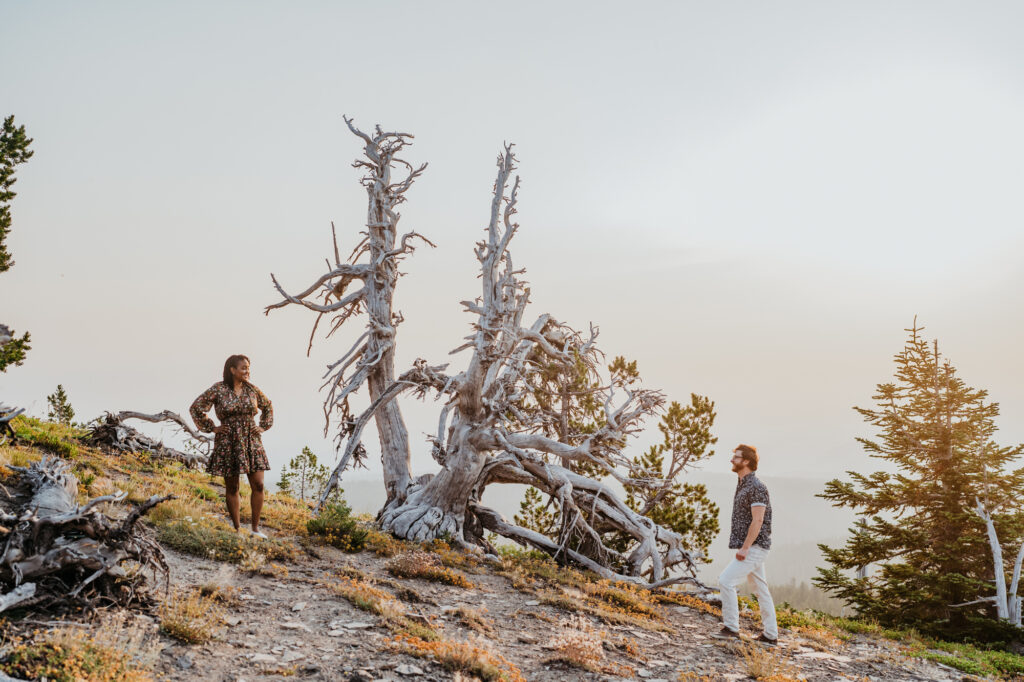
(56, 552)
(372, 271)
(490, 431)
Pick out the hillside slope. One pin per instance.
(297, 607)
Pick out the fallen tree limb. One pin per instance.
(115, 435)
(7, 414)
(56, 552)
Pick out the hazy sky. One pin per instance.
(752, 200)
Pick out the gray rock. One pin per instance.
(533, 602)
(292, 656)
(406, 669)
(298, 606)
(184, 662)
(263, 658)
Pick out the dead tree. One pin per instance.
(490, 432)
(373, 267)
(56, 552)
(1008, 603)
(112, 434)
(7, 415)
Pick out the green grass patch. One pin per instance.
(56, 438)
(202, 539)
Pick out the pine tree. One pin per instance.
(683, 507)
(536, 514)
(917, 527)
(14, 150)
(304, 478)
(60, 408)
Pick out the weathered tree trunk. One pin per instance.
(56, 552)
(494, 435)
(371, 360)
(1007, 603)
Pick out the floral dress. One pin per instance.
(239, 448)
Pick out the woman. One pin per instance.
(237, 446)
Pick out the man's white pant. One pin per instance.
(752, 569)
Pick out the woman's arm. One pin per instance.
(200, 407)
(266, 410)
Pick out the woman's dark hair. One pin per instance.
(232, 361)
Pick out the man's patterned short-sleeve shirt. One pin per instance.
(750, 491)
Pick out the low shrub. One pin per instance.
(474, 656)
(578, 643)
(762, 664)
(426, 566)
(338, 528)
(113, 653)
(190, 617)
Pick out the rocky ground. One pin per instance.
(296, 626)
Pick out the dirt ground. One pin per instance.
(295, 626)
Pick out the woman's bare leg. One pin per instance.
(256, 498)
(231, 494)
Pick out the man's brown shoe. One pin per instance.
(726, 633)
(766, 639)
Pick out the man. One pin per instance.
(751, 537)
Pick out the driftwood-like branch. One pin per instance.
(112, 434)
(374, 262)
(56, 552)
(7, 415)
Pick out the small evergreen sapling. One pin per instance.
(304, 478)
(60, 408)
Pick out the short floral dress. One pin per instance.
(238, 449)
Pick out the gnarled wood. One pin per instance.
(57, 552)
(115, 435)
(491, 431)
(7, 415)
(374, 263)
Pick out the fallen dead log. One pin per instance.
(6, 415)
(113, 434)
(56, 552)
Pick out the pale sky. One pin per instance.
(752, 200)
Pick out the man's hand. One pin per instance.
(219, 429)
(741, 554)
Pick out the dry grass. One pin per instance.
(818, 638)
(190, 617)
(690, 676)
(578, 643)
(765, 665)
(426, 566)
(474, 656)
(475, 620)
(114, 652)
(366, 597)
